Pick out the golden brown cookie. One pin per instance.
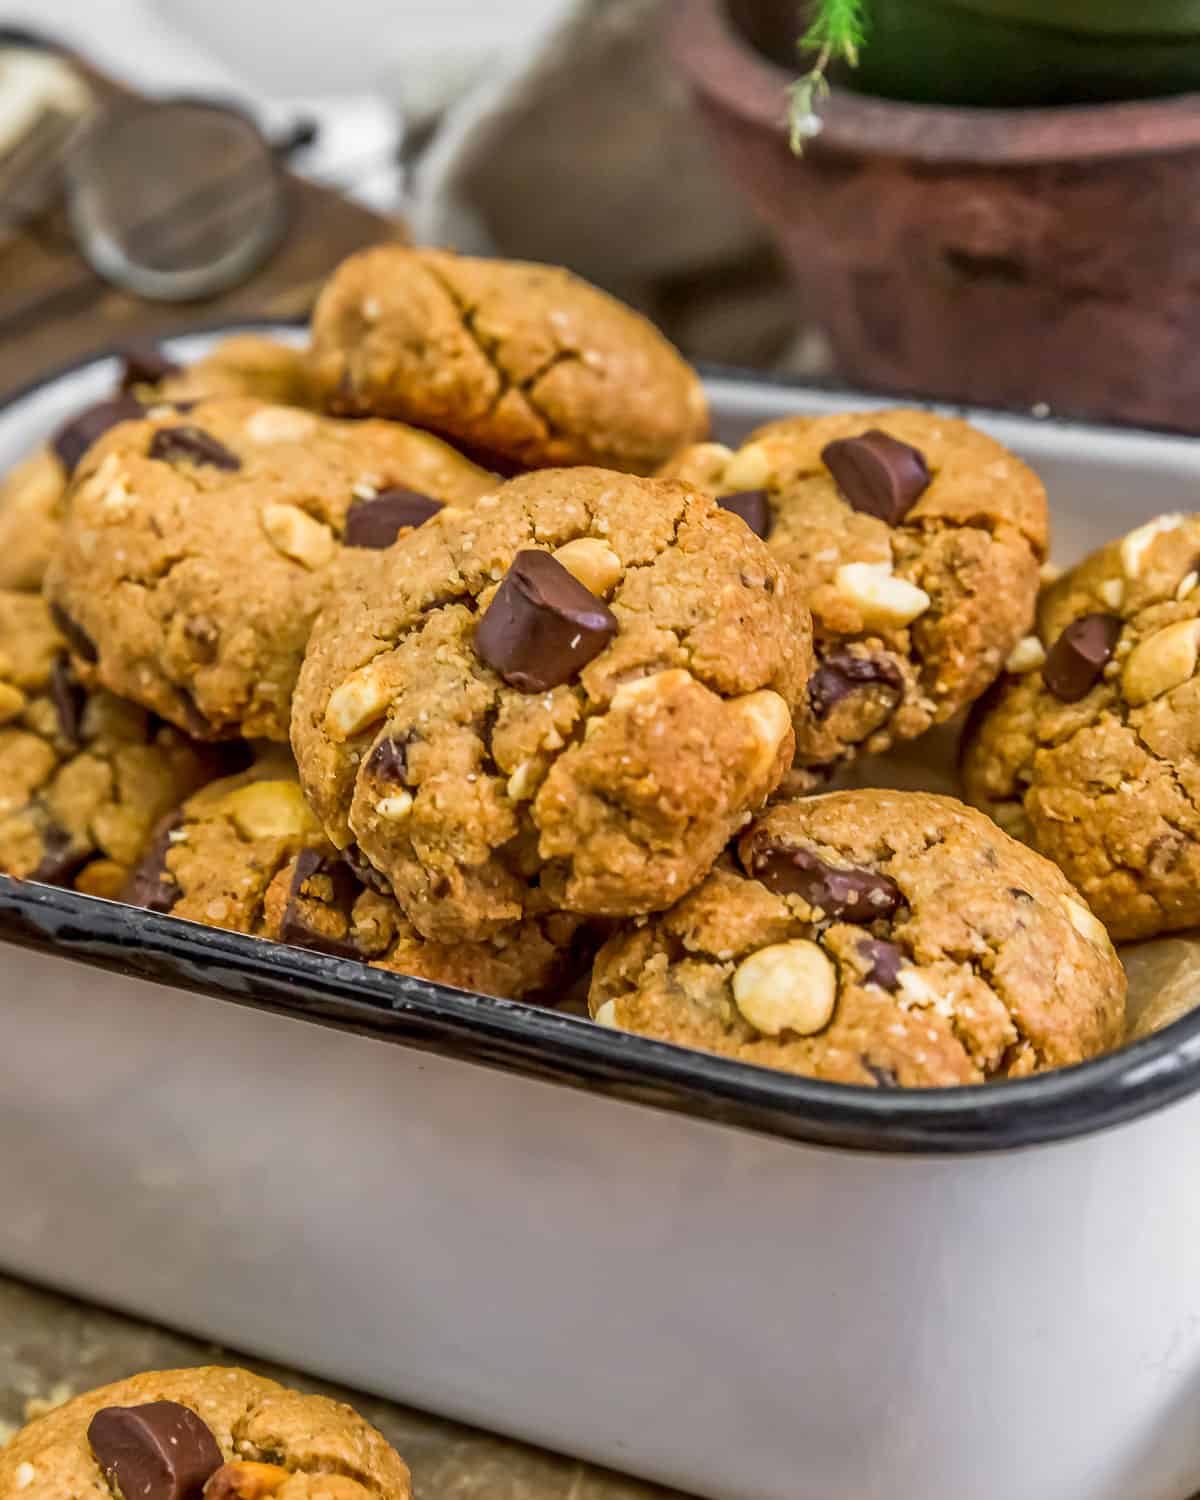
(1092, 751)
(166, 1434)
(567, 697)
(523, 362)
(83, 776)
(199, 546)
(244, 364)
(887, 938)
(246, 854)
(917, 540)
(30, 519)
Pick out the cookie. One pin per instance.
(83, 776)
(30, 519)
(568, 697)
(894, 939)
(244, 364)
(173, 1434)
(199, 546)
(246, 854)
(1090, 749)
(917, 541)
(524, 363)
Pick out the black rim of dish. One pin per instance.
(565, 1049)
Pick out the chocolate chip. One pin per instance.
(191, 445)
(296, 929)
(74, 438)
(753, 508)
(878, 474)
(885, 1078)
(847, 893)
(841, 673)
(68, 698)
(364, 871)
(145, 364)
(388, 762)
(160, 1451)
(1076, 660)
(75, 636)
(377, 523)
(542, 626)
(886, 961)
(62, 858)
(152, 885)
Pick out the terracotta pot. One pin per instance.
(995, 256)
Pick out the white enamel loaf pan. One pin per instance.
(750, 1286)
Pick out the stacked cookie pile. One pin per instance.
(450, 645)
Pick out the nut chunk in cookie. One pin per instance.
(198, 548)
(207, 1433)
(918, 541)
(1090, 749)
(83, 776)
(883, 938)
(568, 697)
(524, 362)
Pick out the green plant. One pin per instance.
(835, 34)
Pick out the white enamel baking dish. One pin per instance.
(750, 1286)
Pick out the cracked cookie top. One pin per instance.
(567, 697)
(246, 854)
(83, 776)
(525, 363)
(165, 1435)
(895, 939)
(1091, 750)
(917, 540)
(199, 545)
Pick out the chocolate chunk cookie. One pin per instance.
(245, 364)
(523, 362)
(83, 776)
(567, 697)
(246, 854)
(894, 939)
(199, 546)
(1090, 749)
(175, 1434)
(917, 541)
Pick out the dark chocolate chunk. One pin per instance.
(1076, 660)
(841, 673)
(152, 885)
(885, 1078)
(377, 523)
(74, 438)
(295, 927)
(69, 699)
(160, 1451)
(847, 893)
(885, 960)
(192, 445)
(878, 474)
(145, 364)
(364, 871)
(74, 635)
(542, 625)
(753, 508)
(62, 858)
(388, 762)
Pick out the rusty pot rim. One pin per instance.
(721, 64)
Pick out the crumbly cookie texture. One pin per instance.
(83, 776)
(525, 362)
(641, 655)
(886, 938)
(263, 1439)
(199, 546)
(246, 854)
(30, 519)
(917, 540)
(1092, 753)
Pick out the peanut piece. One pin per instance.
(883, 601)
(769, 721)
(786, 987)
(645, 689)
(293, 532)
(396, 808)
(606, 1015)
(12, 701)
(280, 424)
(1161, 662)
(593, 563)
(270, 810)
(748, 469)
(1133, 546)
(243, 1480)
(1026, 656)
(1112, 592)
(361, 700)
(1084, 923)
(523, 782)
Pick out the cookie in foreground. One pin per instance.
(895, 939)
